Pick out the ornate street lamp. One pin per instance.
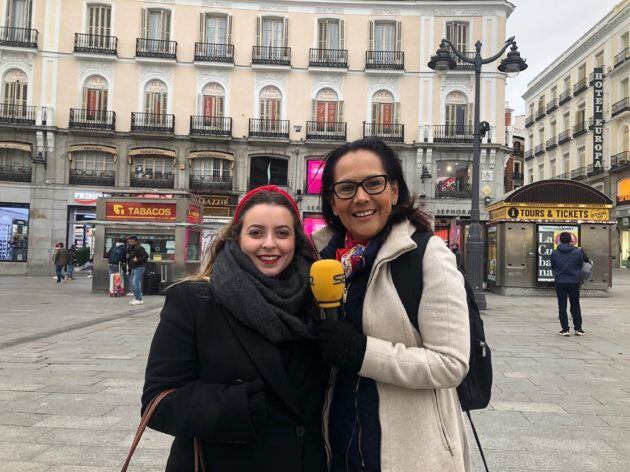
(442, 62)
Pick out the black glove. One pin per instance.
(341, 344)
(257, 404)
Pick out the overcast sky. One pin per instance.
(544, 29)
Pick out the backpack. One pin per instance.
(475, 389)
(117, 254)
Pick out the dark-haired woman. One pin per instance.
(394, 405)
(235, 342)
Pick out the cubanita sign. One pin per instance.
(132, 211)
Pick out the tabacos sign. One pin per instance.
(140, 211)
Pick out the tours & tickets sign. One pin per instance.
(549, 213)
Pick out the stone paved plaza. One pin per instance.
(72, 366)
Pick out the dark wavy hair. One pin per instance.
(405, 207)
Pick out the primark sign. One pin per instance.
(598, 119)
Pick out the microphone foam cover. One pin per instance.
(327, 282)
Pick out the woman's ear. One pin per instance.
(394, 190)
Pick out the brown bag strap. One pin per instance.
(144, 421)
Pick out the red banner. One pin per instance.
(132, 211)
(194, 214)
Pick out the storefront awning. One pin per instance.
(150, 151)
(93, 148)
(26, 147)
(211, 154)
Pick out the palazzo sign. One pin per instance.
(598, 119)
(132, 211)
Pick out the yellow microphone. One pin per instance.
(327, 284)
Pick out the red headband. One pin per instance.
(266, 188)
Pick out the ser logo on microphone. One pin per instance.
(338, 279)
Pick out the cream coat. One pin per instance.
(416, 374)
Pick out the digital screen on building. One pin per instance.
(314, 169)
(13, 232)
(313, 224)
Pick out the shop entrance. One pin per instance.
(81, 226)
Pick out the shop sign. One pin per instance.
(87, 198)
(194, 214)
(314, 171)
(598, 118)
(452, 211)
(211, 154)
(215, 201)
(547, 240)
(549, 213)
(623, 191)
(140, 211)
(14, 145)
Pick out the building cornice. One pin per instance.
(596, 35)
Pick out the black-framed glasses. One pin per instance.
(346, 189)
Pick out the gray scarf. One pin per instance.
(275, 307)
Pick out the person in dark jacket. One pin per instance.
(566, 264)
(138, 258)
(235, 342)
(459, 260)
(60, 259)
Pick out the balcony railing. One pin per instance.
(16, 173)
(551, 143)
(540, 113)
(279, 56)
(565, 97)
(153, 122)
(157, 180)
(529, 154)
(579, 173)
(392, 60)
(591, 170)
(463, 65)
(565, 176)
(263, 128)
(620, 106)
(579, 129)
(388, 132)
(95, 44)
(447, 193)
(552, 105)
(621, 159)
(622, 57)
(580, 86)
(210, 182)
(518, 152)
(518, 176)
(18, 37)
(328, 57)
(564, 136)
(92, 177)
(211, 125)
(529, 121)
(213, 52)
(156, 48)
(17, 114)
(453, 134)
(92, 119)
(326, 131)
(539, 149)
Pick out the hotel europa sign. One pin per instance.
(598, 119)
(527, 212)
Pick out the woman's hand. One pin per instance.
(341, 344)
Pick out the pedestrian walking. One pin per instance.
(60, 259)
(394, 404)
(566, 264)
(235, 343)
(72, 256)
(459, 260)
(138, 258)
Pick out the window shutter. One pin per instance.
(104, 100)
(145, 22)
(371, 36)
(340, 111)
(321, 34)
(396, 113)
(29, 9)
(202, 28)
(342, 35)
(398, 36)
(229, 29)
(286, 32)
(200, 110)
(314, 110)
(166, 25)
(258, 31)
(374, 112)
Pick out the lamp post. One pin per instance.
(441, 62)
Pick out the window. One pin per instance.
(14, 232)
(582, 157)
(457, 113)
(624, 41)
(270, 103)
(274, 32)
(554, 92)
(15, 165)
(531, 175)
(552, 168)
(567, 83)
(384, 109)
(453, 179)
(330, 34)
(457, 33)
(155, 97)
(567, 163)
(580, 114)
(566, 118)
(266, 170)
(19, 13)
(599, 59)
(625, 140)
(553, 131)
(531, 109)
(156, 24)
(99, 20)
(210, 169)
(582, 72)
(541, 172)
(87, 166)
(153, 167)
(95, 96)
(212, 101)
(517, 167)
(15, 88)
(385, 36)
(541, 136)
(624, 92)
(541, 104)
(216, 29)
(327, 108)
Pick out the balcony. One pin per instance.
(213, 52)
(394, 133)
(16, 173)
(326, 131)
(156, 48)
(551, 143)
(263, 128)
(211, 126)
(153, 122)
(564, 137)
(385, 60)
(517, 152)
(540, 113)
(92, 119)
(95, 44)
(565, 97)
(210, 182)
(552, 105)
(268, 55)
(17, 114)
(539, 149)
(565, 176)
(529, 155)
(620, 107)
(580, 86)
(579, 129)
(518, 176)
(447, 193)
(622, 57)
(620, 160)
(529, 121)
(463, 65)
(92, 177)
(328, 58)
(157, 180)
(463, 134)
(579, 173)
(18, 37)
(591, 170)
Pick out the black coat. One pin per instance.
(209, 356)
